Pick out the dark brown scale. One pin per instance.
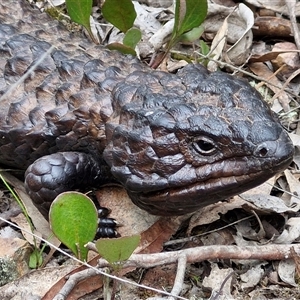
(88, 116)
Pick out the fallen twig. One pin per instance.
(265, 252)
(178, 283)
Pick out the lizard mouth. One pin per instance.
(191, 197)
(187, 199)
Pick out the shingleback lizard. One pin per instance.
(87, 116)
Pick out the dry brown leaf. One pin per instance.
(218, 44)
(232, 25)
(268, 56)
(133, 219)
(245, 230)
(240, 51)
(215, 279)
(212, 213)
(21, 221)
(15, 247)
(241, 242)
(175, 65)
(153, 238)
(154, 230)
(286, 271)
(263, 71)
(268, 203)
(81, 289)
(270, 230)
(277, 6)
(294, 188)
(220, 237)
(296, 139)
(215, 18)
(33, 285)
(291, 233)
(272, 27)
(252, 277)
(159, 277)
(264, 188)
(288, 61)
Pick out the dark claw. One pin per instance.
(106, 226)
(103, 212)
(106, 232)
(107, 222)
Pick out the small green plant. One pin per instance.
(74, 220)
(79, 12)
(35, 259)
(119, 13)
(189, 14)
(116, 252)
(122, 15)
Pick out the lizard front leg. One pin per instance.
(53, 174)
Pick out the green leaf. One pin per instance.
(80, 11)
(117, 250)
(204, 48)
(121, 48)
(35, 259)
(74, 220)
(188, 15)
(132, 37)
(192, 35)
(120, 13)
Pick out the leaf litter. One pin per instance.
(266, 215)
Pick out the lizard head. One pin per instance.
(179, 143)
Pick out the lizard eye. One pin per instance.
(204, 146)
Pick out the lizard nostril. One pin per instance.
(265, 149)
(263, 152)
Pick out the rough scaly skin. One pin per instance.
(88, 116)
